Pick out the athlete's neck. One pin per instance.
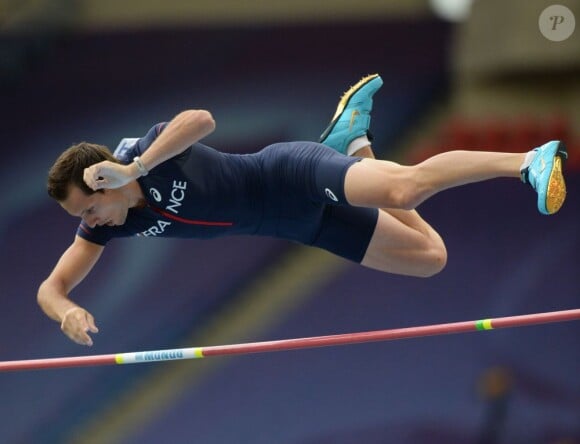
(134, 194)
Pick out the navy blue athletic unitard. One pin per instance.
(292, 190)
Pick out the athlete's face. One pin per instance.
(106, 208)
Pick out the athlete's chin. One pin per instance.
(121, 220)
(113, 222)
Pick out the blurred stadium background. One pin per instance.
(481, 77)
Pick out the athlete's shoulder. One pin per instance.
(97, 235)
(102, 234)
(129, 147)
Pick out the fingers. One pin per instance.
(91, 323)
(93, 177)
(77, 323)
(107, 174)
(83, 339)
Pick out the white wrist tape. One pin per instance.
(142, 170)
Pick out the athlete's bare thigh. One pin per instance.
(400, 249)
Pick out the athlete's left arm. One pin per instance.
(187, 128)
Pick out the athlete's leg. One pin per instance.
(403, 242)
(379, 183)
(382, 184)
(396, 247)
(408, 217)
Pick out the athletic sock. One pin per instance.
(530, 155)
(357, 144)
(528, 159)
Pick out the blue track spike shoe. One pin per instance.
(545, 176)
(352, 117)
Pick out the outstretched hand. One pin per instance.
(108, 174)
(77, 323)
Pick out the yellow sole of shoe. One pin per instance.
(556, 193)
(347, 95)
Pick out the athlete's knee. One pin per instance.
(435, 260)
(403, 196)
(428, 256)
(403, 190)
(425, 258)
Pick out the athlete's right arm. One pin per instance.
(73, 266)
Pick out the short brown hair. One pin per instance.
(69, 168)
